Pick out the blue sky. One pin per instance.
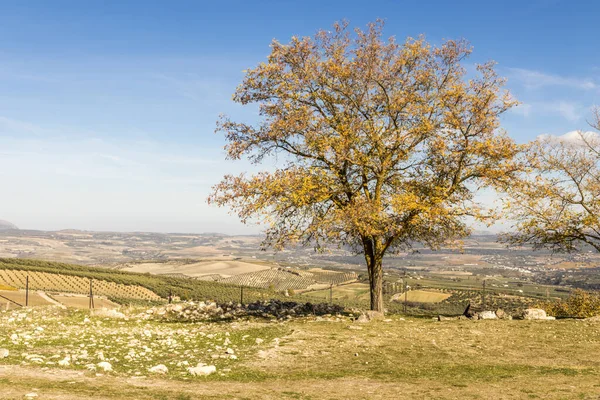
(107, 108)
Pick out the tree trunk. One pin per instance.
(374, 266)
(376, 284)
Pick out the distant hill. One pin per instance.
(5, 226)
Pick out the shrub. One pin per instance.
(580, 304)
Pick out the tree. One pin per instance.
(379, 144)
(556, 205)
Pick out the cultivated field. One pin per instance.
(224, 268)
(305, 358)
(74, 284)
(422, 296)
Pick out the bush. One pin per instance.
(579, 304)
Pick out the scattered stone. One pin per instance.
(4, 353)
(65, 362)
(202, 370)
(105, 366)
(534, 313)
(501, 314)
(159, 369)
(487, 315)
(259, 340)
(31, 395)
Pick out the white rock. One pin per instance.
(31, 395)
(159, 369)
(259, 340)
(534, 313)
(229, 351)
(487, 315)
(105, 366)
(4, 353)
(202, 370)
(65, 361)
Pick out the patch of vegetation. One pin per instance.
(579, 304)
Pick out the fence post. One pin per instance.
(241, 295)
(91, 295)
(170, 296)
(405, 291)
(27, 291)
(483, 295)
(331, 293)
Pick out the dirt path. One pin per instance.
(49, 299)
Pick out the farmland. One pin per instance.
(118, 285)
(73, 284)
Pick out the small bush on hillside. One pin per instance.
(580, 304)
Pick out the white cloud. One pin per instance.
(574, 138)
(535, 79)
(572, 111)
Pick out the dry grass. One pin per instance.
(419, 359)
(423, 296)
(83, 302)
(19, 297)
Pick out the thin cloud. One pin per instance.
(571, 111)
(536, 79)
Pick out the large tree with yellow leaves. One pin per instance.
(379, 144)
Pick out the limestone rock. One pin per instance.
(369, 316)
(487, 315)
(4, 353)
(159, 369)
(105, 366)
(534, 313)
(202, 370)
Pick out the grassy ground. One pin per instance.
(300, 359)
